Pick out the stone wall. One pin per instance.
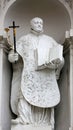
(62, 111)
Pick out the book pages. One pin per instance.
(56, 53)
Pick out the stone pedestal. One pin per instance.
(30, 127)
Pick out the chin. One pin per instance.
(39, 31)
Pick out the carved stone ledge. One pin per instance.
(4, 44)
(68, 44)
(3, 3)
(69, 3)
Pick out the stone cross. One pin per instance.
(14, 34)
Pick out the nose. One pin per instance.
(39, 25)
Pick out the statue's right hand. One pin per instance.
(12, 57)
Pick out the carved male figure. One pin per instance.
(35, 90)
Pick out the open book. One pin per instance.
(43, 55)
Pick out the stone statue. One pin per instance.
(35, 90)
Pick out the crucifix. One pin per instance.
(14, 34)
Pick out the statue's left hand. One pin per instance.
(57, 61)
(51, 65)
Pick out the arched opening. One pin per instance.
(55, 16)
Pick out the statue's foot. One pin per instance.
(17, 121)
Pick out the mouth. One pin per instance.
(39, 27)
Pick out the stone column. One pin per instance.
(68, 47)
(71, 83)
(5, 80)
(0, 84)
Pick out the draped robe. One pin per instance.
(37, 90)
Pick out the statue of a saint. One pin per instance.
(35, 91)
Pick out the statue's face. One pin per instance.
(37, 24)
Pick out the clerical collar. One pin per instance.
(35, 32)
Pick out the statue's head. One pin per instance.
(37, 24)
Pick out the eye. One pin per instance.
(41, 23)
(37, 22)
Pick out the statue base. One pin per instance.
(30, 127)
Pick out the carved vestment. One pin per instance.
(38, 87)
